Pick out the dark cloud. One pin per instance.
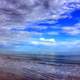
(20, 11)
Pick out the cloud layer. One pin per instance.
(15, 12)
(35, 22)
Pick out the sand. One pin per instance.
(14, 67)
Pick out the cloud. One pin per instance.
(70, 45)
(72, 30)
(19, 12)
(57, 45)
(22, 14)
(53, 33)
(44, 42)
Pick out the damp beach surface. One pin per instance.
(39, 67)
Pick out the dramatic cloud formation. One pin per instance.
(44, 23)
(14, 12)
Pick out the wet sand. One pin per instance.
(19, 67)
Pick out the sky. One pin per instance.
(40, 26)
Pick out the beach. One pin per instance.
(19, 67)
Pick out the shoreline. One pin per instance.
(32, 68)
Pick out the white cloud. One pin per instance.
(44, 42)
(72, 30)
(44, 39)
(57, 45)
(70, 44)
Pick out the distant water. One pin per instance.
(52, 59)
(67, 59)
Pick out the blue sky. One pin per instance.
(57, 32)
